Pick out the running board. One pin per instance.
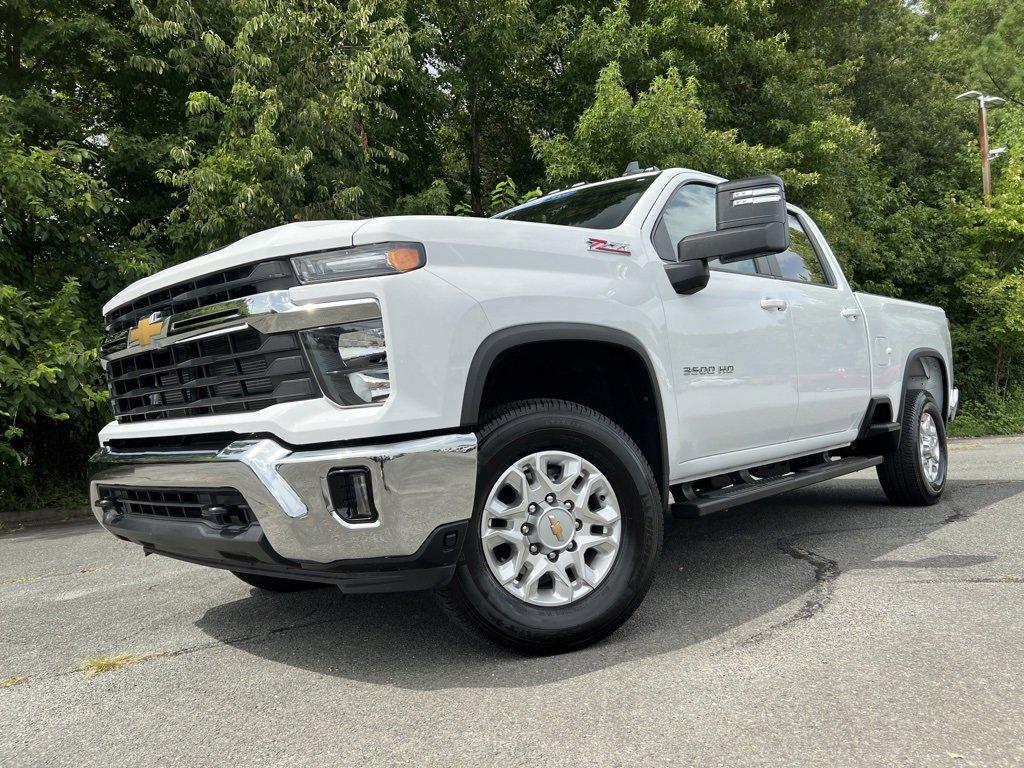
(709, 502)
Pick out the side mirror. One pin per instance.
(751, 221)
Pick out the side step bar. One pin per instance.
(708, 502)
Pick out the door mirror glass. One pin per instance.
(751, 221)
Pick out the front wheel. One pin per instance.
(565, 533)
(915, 473)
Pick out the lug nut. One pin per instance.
(550, 498)
(568, 505)
(534, 549)
(579, 525)
(525, 528)
(572, 546)
(532, 509)
(552, 556)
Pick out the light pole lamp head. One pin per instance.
(970, 96)
(993, 101)
(994, 153)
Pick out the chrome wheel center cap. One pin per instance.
(555, 528)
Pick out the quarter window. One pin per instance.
(801, 262)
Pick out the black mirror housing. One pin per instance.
(747, 202)
(751, 221)
(688, 277)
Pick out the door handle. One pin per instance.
(780, 304)
(850, 314)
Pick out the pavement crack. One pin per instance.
(826, 572)
(1006, 578)
(254, 638)
(957, 516)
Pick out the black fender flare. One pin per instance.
(518, 335)
(915, 355)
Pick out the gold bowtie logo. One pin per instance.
(145, 331)
(556, 527)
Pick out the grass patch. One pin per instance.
(10, 682)
(990, 415)
(96, 666)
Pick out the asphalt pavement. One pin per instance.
(822, 627)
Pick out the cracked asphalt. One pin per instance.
(819, 627)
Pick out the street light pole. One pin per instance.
(986, 164)
(986, 155)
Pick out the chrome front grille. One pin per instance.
(241, 350)
(235, 283)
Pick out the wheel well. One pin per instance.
(613, 380)
(925, 370)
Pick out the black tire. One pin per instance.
(902, 474)
(277, 583)
(478, 601)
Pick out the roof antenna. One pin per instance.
(632, 168)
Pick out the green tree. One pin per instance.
(488, 63)
(283, 113)
(664, 124)
(52, 239)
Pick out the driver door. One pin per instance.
(732, 345)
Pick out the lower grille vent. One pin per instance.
(219, 506)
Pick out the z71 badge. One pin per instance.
(606, 246)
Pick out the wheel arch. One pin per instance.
(918, 373)
(507, 340)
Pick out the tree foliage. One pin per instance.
(282, 117)
(138, 133)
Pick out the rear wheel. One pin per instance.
(276, 583)
(565, 533)
(915, 473)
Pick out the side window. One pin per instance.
(690, 210)
(801, 261)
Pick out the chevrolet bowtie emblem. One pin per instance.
(556, 527)
(145, 331)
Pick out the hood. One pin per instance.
(286, 240)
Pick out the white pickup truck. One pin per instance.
(504, 409)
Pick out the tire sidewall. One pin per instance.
(626, 583)
(925, 403)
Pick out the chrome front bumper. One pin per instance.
(417, 486)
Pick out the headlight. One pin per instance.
(361, 261)
(351, 361)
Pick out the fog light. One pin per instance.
(351, 495)
(350, 361)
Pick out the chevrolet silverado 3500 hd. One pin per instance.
(503, 409)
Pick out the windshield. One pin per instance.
(603, 206)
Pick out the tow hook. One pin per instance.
(109, 507)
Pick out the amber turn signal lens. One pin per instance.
(404, 258)
(371, 260)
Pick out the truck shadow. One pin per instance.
(739, 579)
